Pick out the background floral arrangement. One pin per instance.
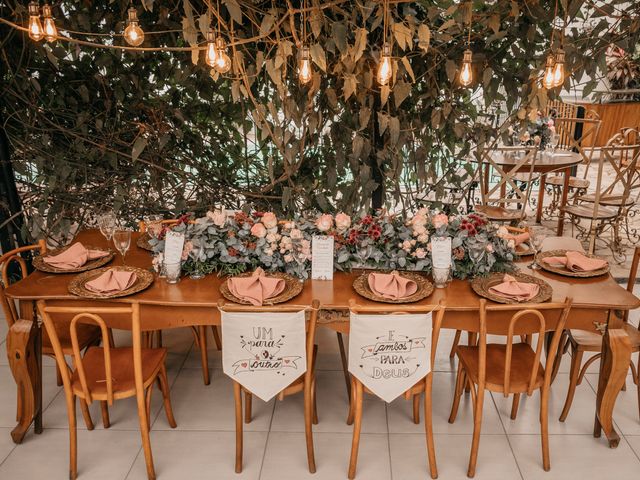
(537, 132)
(232, 243)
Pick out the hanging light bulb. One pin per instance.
(35, 27)
(384, 67)
(133, 34)
(212, 54)
(558, 70)
(304, 68)
(50, 30)
(466, 75)
(547, 79)
(222, 62)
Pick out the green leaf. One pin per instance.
(402, 34)
(138, 147)
(234, 10)
(401, 91)
(318, 56)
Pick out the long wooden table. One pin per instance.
(194, 302)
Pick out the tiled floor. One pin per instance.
(392, 447)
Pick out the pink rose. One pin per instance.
(343, 221)
(270, 220)
(296, 234)
(258, 230)
(419, 220)
(440, 220)
(188, 246)
(420, 253)
(489, 247)
(324, 222)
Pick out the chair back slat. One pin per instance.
(536, 324)
(79, 364)
(568, 140)
(6, 260)
(91, 315)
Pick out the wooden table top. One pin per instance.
(599, 292)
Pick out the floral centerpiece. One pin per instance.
(538, 132)
(232, 244)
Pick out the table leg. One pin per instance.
(540, 198)
(24, 352)
(614, 365)
(563, 201)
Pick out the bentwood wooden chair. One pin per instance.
(511, 368)
(306, 383)
(607, 206)
(414, 393)
(581, 341)
(106, 373)
(506, 201)
(87, 334)
(199, 332)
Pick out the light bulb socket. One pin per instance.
(467, 56)
(46, 11)
(34, 9)
(220, 44)
(386, 50)
(559, 56)
(305, 53)
(133, 15)
(211, 36)
(551, 60)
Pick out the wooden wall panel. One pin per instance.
(614, 116)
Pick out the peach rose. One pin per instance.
(258, 230)
(218, 217)
(324, 222)
(343, 221)
(270, 220)
(440, 220)
(420, 253)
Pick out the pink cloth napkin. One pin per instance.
(73, 257)
(112, 281)
(391, 285)
(256, 288)
(517, 238)
(512, 289)
(576, 262)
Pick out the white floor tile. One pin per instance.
(574, 457)
(201, 455)
(409, 457)
(6, 444)
(626, 414)
(333, 408)
(332, 452)
(102, 455)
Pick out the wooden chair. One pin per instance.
(306, 383)
(423, 385)
(498, 200)
(566, 128)
(107, 374)
(88, 334)
(608, 205)
(199, 332)
(581, 341)
(509, 368)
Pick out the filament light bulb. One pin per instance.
(133, 34)
(36, 33)
(304, 69)
(212, 54)
(466, 75)
(558, 70)
(50, 30)
(385, 68)
(548, 79)
(223, 62)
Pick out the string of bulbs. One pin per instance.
(217, 58)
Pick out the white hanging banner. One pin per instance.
(389, 354)
(264, 352)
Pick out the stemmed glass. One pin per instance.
(194, 254)
(107, 225)
(555, 138)
(299, 255)
(537, 234)
(122, 241)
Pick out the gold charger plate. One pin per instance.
(143, 242)
(425, 288)
(524, 249)
(292, 289)
(563, 270)
(144, 278)
(40, 264)
(481, 286)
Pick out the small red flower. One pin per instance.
(233, 252)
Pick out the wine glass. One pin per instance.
(537, 234)
(194, 254)
(107, 225)
(122, 241)
(555, 138)
(299, 255)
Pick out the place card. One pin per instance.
(322, 258)
(441, 252)
(173, 245)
